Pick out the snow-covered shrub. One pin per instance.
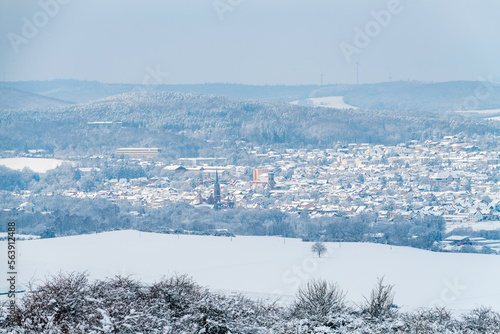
(69, 303)
(318, 299)
(429, 321)
(120, 304)
(60, 305)
(482, 320)
(380, 303)
(176, 294)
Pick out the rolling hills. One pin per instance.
(187, 123)
(13, 99)
(400, 95)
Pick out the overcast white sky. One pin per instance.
(256, 42)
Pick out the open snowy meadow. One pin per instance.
(39, 165)
(336, 102)
(264, 267)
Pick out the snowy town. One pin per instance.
(237, 167)
(451, 178)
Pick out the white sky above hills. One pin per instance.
(250, 42)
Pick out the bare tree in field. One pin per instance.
(319, 248)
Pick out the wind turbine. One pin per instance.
(357, 72)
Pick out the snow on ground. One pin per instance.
(4, 235)
(39, 165)
(270, 265)
(482, 113)
(336, 102)
(488, 225)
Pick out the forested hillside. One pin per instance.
(189, 124)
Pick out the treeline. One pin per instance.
(66, 177)
(51, 216)
(70, 303)
(12, 180)
(62, 216)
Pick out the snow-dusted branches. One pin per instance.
(69, 303)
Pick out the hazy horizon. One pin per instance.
(253, 43)
(494, 80)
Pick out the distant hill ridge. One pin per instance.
(400, 95)
(14, 99)
(213, 117)
(190, 124)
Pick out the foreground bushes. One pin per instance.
(70, 303)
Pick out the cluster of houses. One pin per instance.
(456, 242)
(450, 178)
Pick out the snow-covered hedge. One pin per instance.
(70, 303)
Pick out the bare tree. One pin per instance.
(380, 304)
(319, 248)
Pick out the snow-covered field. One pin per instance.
(336, 102)
(482, 113)
(270, 265)
(488, 225)
(39, 165)
(4, 235)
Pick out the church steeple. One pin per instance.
(216, 191)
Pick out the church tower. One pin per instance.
(216, 191)
(270, 180)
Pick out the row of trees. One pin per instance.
(12, 180)
(60, 215)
